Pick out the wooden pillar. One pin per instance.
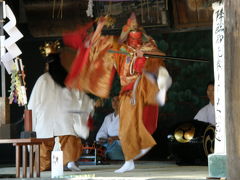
(4, 111)
(4, 106)
(232, 82)
(2, 49)
(18, 160)
(28, 133)
(27, 120)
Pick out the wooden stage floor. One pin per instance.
(147, 170)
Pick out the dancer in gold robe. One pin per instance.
(144, 83)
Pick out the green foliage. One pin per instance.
(188, 91)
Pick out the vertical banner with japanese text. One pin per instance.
(219, 76)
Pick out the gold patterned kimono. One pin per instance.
(97, 70)
(137, 94)
(133, 133)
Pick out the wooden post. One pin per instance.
(27, 120)
(2, 49)
(4, 105)
(24, 160)
(4, 111)
(37, 160)
(232, 68)
(31, 161)
(28, 133)
(18, 160)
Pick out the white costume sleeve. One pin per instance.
(36, 98)
(206, 114)
(85, 105)
(103, 132)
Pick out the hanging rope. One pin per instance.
(158, 18)
(109, 11)
(148, 10)
(142, 19)
(60, 10)
(54, 4)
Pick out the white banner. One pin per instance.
(219, 76)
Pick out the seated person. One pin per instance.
(108, 133)
(207, 113)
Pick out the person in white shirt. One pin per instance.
(108, 133)
(207, 113)
(52, 105)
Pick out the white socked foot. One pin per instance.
(127, 166)
(164, 81)
(142, 153)
(161, 97)
(72, 166)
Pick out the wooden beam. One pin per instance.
(232, 83)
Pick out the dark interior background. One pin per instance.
(185, 97)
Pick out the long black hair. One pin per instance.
(56, 70)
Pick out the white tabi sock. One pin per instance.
(72, 166)
(127, 166)
(161, 97)
(142, 153)
(164, 81)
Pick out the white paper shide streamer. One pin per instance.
(11, 61)
(9, 44)
(89, 11)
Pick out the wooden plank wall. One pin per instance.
(150, 14)
(48, 19)
(192, 13)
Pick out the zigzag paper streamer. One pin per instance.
(89, 11)
(14, 35)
